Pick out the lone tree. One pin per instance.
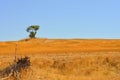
(32, 30)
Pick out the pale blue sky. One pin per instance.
(60, 18)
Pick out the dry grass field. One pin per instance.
(65, 59)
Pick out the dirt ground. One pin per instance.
(60, 59)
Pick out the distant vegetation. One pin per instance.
(33, 30)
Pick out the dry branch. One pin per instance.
(15, 68)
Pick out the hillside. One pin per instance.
(29, 46)
(65, 59)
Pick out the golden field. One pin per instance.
(65, 59)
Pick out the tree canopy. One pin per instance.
(33, 30)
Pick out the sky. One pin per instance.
(60, 18)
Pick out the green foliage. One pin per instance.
(32, 35)
(32, 30)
